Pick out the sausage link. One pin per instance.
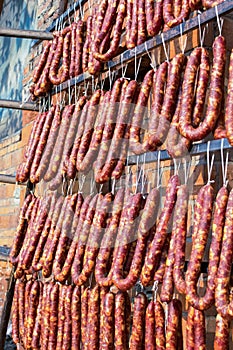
(60, 142)
(229, 103)
(94, 239)
(178, 233)
(66, 236)
(221, 340)
(42, 62)
(37, 328)
(159, 273)
(169, 18)
(72, 132)
(214, 99)
(37, 230)
(138, 324)
(20, 231)
(93, 319)
(15, 315)
(123, 120)
(151, 259)
(204, 302)
(119, 315)
(150, 327)
(79, 47)
(177, 145)
(85, 293)
(89, 125)
(158, 135)
(36, 266)
(87, 162)
(86, 46)
(47, 154)
(33, 304)
(198, 247)
(140, 109)
(61, 316)
(210, 3)
(66, 343)
(53, 240)
(224, 269)
(41, 144)
(190, 335)
(71, 164)
(108, 322)
(132, 25)
(76, 229)
(174, 319)
(141, 22)
(76, 319)
(74, 43)
(182, 209)
(117, 31)
(47, 235)
(160, 340)
(154, 13)
(124, 237)
(25, 172)
(53, 319)
(109, 127)
(103, 292)
(21, 301)
(199, 330)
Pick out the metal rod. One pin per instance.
(19, 105)
(173, 33)
(7, 309)
(26, 34)
(197, 149)
(9, 179)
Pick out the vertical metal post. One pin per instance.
(9, 295)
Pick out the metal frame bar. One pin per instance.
(196, 150)
(19, 105)
(26, 34)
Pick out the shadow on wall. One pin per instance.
(17, 14)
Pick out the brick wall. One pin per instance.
(11, 154)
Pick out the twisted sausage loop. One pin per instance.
(122, 122)
(174, 12)
(164, 105)
(152, 256)
(215, 96)
(198, 247)
(103, 277)
(154, 12)
(204, 302)
(147, 221)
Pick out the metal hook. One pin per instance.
(209, 163)
(224, 167)
(136, 66)
(183, 41)
(164, 48)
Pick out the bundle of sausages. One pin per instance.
(83, 46)
(98, 132)
(47, 315)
